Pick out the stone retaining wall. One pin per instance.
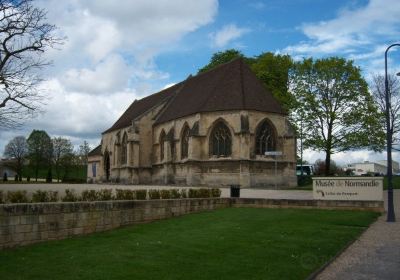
(22, 224)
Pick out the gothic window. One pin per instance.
(265, 138)
(162, 141)
(124, 149)
(185, 142)
(220, 141)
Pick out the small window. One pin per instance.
(265, 138)
(220, 141)
(185, 142)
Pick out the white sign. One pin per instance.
(273, 153)
(348, 188)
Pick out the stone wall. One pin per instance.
(22, 224)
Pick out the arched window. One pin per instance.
(124, 149)
(265, 138)
(185, 142)
(220, 141)
(162, 141)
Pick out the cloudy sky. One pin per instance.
(116, 52)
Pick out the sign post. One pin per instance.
(275, 154)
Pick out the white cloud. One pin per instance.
(351, 29)
(108, 59)
(227, 34)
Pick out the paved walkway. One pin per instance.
(375, 255)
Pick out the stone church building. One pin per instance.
(211, 129)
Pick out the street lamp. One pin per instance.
(390, 214)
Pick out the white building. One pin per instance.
(375, 168)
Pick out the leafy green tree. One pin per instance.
(40, 150)
(62, 151)
(221, 58)
(273, 71)
(17, 149)
(83, 152)
(337, 110)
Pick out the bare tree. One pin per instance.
(378, 91)
(17, 150)
(83, 152)
(24, 37)
(62, 151)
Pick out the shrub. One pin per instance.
(124, 194)
(165, 194)
(40, 196)
(53, 196)
(5, 177)
(70, 196)
(28, 179)
(183, 193)
(204, 193)
(174, 193)
(193, 193)
(17, 197)
(154, 194)
(304, 180)
(215, 192)
(141, 194)
(89, 195)
(2, 198)
(16, 178)
(105, 194)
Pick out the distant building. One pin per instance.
(94, 159)
(368, 167)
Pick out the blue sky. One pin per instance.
(115, 53)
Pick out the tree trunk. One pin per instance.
(327, 163)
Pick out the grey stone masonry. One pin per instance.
(22, 224)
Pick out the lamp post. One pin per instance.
(390, 214)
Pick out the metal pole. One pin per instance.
(390, 214)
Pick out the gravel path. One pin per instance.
(375, 255)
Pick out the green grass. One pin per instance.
(233, 243)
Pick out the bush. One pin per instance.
(74, 180)
(215, 192)
(17, 197)
(165, 194)
(45, 196)
(304, 180)
(70, 196)
(2, 198)
(192, 193)
(141, 194)
(183, 193)
(105, 194)
(89, 195)
(28, 179)
(124, 194)
(16, 178)
(174, 193)
(204, 193)
(5, 177)
(154, 194)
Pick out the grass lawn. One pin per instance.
(233, 243)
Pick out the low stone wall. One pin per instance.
(22, 224)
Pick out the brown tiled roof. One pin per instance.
(95, 152)
(230, 86)
(140, 106)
